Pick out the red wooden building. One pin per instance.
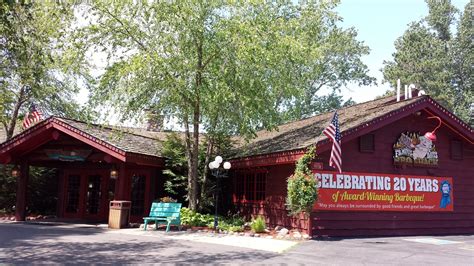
(96, 164)
(373, 138)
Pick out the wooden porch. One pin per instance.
(95, 166)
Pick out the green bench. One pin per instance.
(164, 213)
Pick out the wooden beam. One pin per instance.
(22, 182)
(286, 157)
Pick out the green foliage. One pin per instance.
(302, 186)
(258, 225)
(229, 224)
(7, 189)
(234, 228)
(225, 66)
(176, 166)
(36, 62)
(42, 190)
(432, 58)
(192, 218)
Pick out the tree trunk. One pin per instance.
(193, 200)
(189, 156)
(193, 161)
(10, 130)
(207, 160)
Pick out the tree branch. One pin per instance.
(127, 31)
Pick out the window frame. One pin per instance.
(366, 138)
(241, 186)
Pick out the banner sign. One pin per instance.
(383, 192)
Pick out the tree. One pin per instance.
(463, 62)
(176, 169)
(36, 63)
(224, 67)
(428, 56)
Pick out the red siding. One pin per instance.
(273, 209)
(359, 223)
(461, 220)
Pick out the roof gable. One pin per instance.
(122, 145)
(354, 121)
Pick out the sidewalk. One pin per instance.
(263, 244)
(256, 243)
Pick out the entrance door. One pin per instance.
(93, 196)
(72, 195)
(86, 195)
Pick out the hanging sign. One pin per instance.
(414, 150)
(383, 192)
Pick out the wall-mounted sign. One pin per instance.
(383, 192)
(68, 155)
(414, 150)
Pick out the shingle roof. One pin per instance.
(287, 137)
(303, 133)
(123, 138)
(127, 139)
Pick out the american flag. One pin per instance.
(333, 133)
(32, 117)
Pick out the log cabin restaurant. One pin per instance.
(407, 169)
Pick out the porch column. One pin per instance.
(121, 184)
(22, 187)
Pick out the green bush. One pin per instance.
(232, 224)
(258, 225)
(192, 218)
(302, 186)
(228, 226)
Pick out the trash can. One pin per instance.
(119, 214)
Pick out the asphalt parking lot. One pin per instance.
(26, 243)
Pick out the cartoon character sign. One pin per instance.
(413, 149)
(445, 194)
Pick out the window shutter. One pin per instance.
(366, 143)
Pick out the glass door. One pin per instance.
(85, 194)
(73, 187)
(93, 195)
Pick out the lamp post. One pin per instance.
(219, 172)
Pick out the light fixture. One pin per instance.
(431, 135)
(218, 173)
(211, 165)
(113, 172)
(16, 171)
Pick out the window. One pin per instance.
(367, 143)
(72, 201)
(249, 186)
(456, 150)
(138, 195)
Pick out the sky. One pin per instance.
(379, 23)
